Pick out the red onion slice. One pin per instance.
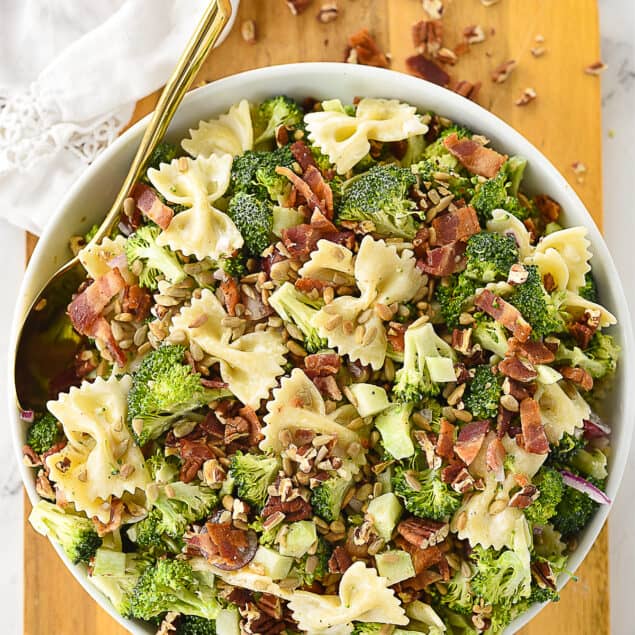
(28, 416)
(582, 485)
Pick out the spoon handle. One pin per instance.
(211, 25)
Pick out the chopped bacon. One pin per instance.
(301, 240)
(494, 458)
(535, 351)
(470, 440)
(302, 155)
(578, 376)
(534, 437)
(136, 301)
(427, 69)
(306, 285)
(322, 364)
(88, 305)
(548, 208)
(395, 336)
(100, 329)
(365, 50)
(445, 442)
(520, 391)
(316, 191)
(504, 313)
(517, 369)
(231, 294)
(444, 261)
(231, 548)
(193, 454)
(421, 241)
(114, 522)
(457, 225)
(474, 157)
(582, 333)
(149, 203)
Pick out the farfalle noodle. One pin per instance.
(560, 412)
(573, 247)
(100, 258)
(330, 262)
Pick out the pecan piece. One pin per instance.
(298, 6)
(517, 369)
(578, 376)
(423, 532)
(503, 71)
(524, 497)
(543, 575)
(340, 560)
(427, 36)
(294, 510)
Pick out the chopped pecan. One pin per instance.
(461, 340)
(328, 12)
(270, 605)
(328, 387)
(548, 208)
(474, 34)
(236, 428)
(543, 574)
(298, 6)
(340, 560)
(427, 445)
(528, 95)
(445, 442)
(294, 510)
(362, 49)
(434, 8)
(248, 31)
(517, 369)
(596, 68)
(423, 532)
(467, 89)
(578, 376)
(427, 36)
(420, 242)
(534, 350)
(115, 520)
(524, 497)
(503, 71)
(43, 486)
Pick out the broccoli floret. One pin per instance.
(454, 297)
(415, 380)
(434, 499)
(380, 196)
(459, 597)
(327, 498)
(194, 625)
(550, 486)
(598, 359)
(235, 266)
(515, 168)
(252, 476)
(493, 194)
(460, 186)
(275, 112)
(254, 219)
(163, 469)
(321, 570)
(490, 256)
(172, 585)
(293, 306)
(164, 152)
(75, 534)
(181, 504)
(536, 305)
(163, 390)
(439, 157)
(574, 511)
(589, 291)
(560, 455)
(149, 534)
(158, 262)
(44, 433)
(368, 628)
(490, 334)
(484, 393)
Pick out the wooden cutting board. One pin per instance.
(564, 122)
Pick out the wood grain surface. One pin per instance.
(564, 122)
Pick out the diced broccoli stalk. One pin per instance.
(163, 390)
(395, 565)
(515, 168)
(484, 393)
(490, 256)
(255, 173)
(194, 625)
(293, 306)
(490, 334)
(44, 433)
(536, 305)
(550, 486)
(252, 476)
(75, 534)
(424, 494)
(327, 497)
(591, 463)
(285, 218)
(454, 297)
(599, 359)
(172, 585)
(253, 218)
(493, 194)
(394, 426)
(371, 399)
(164, 152)
(275, 112)
(574, 511)
(298, 539)
(589, 291)
(414, 151)
(381, 197)
(157, 262)
(428, 361)
(273, 563)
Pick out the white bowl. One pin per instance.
(92, 195)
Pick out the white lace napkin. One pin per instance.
(70, 73)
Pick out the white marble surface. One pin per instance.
(618, 89)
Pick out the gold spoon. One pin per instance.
(37, 359)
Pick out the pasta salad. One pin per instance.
(336, 372)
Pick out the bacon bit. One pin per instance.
(517, 389)
(434, 8)
(457, 225)
(302, 155)
(548, 208)
(328, 12)
(503, 422)
(249, 415)
(313, 188)
(193, 454)
(100, 329)
(328, 387)
(427, 69)
(301, 240)
(504, 313)
(231, 294)
(535, 351)
(495, 457)
(459, 478)
(534, 437)
(475, 157)
(115, 520)
(470, 440)
(445, 442)
(503, 71)
(149, 204)
(447, 56)
(582, 333)
(306, 285)
(423, 532)
(525, 497)
(467, 89)
(395, 336)
(298, 6)
(231, 548)
(444, 261)
(322, 364)
(578, 376)
(596, 68)
(473, 34)
(340, 560)
(136, 301)
(529, 94)
(517, 369)
(427, 36)
(364, 50)
(461, 340)
(421, 241)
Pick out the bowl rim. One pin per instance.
(421, 89)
